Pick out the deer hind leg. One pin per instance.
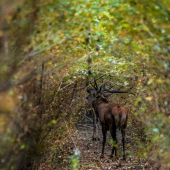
(94, 128)
(98, 128)
(104, 131)
(113, 134)
(123, 142)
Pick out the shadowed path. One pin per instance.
(91, 150)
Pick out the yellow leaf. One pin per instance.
(122, 33)
(79, 39)
(1, 33)
(57, 141)
(8, 100)
(149, 98)
(100, 13)
(49, 62)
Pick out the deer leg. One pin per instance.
(104, 131)
(94, 128)
(123, 142)
(97, 127)
(113, 134)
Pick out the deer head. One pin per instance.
(91, 95)
(95, 92)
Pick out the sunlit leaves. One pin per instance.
(123, 38)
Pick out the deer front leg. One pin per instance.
(113, 134)
(98, 128)
(104, 131)
(94, 128)
(123, 142)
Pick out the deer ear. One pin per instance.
(92, 92)
(94, 95)
(107, 94)
(102, 87)
(89, 89)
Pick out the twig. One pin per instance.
(91, 82)
(89, 118)
(64, 117)
(149, 165)
(46, 135)
(84, 126)
(50, 46)
(67, 85)
(59, 86)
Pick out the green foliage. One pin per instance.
(128, 40)
(74, 162)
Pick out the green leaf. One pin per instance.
(155, 129)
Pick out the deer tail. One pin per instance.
(123, 120)
(122, 117)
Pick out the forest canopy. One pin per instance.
(51, 50)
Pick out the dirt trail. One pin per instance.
(57, 157)
(91, 150)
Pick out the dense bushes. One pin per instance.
(49, 46)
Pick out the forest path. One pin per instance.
(90, 151)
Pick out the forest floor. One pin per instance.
(90, 151)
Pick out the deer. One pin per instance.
(111, 115)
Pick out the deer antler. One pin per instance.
(95, 85)
(108, 90)
(111, 87)
(118, 90)
(102, 87)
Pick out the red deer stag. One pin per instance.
(111, 116)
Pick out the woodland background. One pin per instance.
(50, 51)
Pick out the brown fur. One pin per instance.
(104, 110)
(111, 116)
